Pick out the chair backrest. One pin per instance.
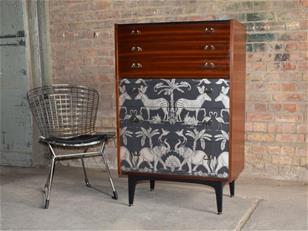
(64, 110)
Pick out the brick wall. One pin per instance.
(82, 45)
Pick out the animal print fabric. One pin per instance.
(175, 126)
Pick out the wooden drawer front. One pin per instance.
(172, 49)
(155, 120)
(179, 67)
(211, 31)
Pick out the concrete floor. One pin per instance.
(258, 205)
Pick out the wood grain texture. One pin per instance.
(173, 66)
(177, 49)
(174, 49)
(210, 31)
(237, 99)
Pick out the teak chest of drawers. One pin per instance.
(180, 91)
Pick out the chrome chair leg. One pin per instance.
(85, 173)
(115, 194)
(50, 178)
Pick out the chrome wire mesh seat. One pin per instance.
(66, 117)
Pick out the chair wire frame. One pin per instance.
(64, 111)
(68, 112)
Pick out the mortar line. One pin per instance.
(246, 217)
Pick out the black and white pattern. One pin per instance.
(178, 126)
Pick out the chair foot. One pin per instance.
(115, 195)
(218, 187)
(131, 189)
(152, 185)
(46, 204)
(88, 184)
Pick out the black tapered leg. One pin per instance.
(219, 191)
(131, 189)
(231, 186)
(152, 185)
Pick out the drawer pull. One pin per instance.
(209, 47)
(209, 65)
(209, 29)
(136, 48)
(136, 65)
(135, 32)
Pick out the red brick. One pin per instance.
(275, 107)
(288, 86)
(290, 138)
(261, 137)
(301, 151)
(302, 128)
(290, 107)
(259, 116)
(288, 97)
(287, 150)
(260, 107)
(259, 127)
(304, 3)
(259, 149)
(281, 127)
(288, 118)
(273, 149)
(288, 66)
(248, 126)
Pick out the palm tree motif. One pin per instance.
(147, 133)
(167, 87)
(124, 151)
(224, 137)
(198, 135)
(125, 133)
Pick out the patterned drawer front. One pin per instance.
(175, 49)
(211, 31)
(172, 93)
(175, 126)
(182, 150)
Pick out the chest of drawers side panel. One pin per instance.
(117, 94)
(237, 98)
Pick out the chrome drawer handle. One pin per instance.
(136, 66)
(135, 32)
(209, 65)
(209, 29)
(209, 47)
(136, 48)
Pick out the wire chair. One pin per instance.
(66, 117)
